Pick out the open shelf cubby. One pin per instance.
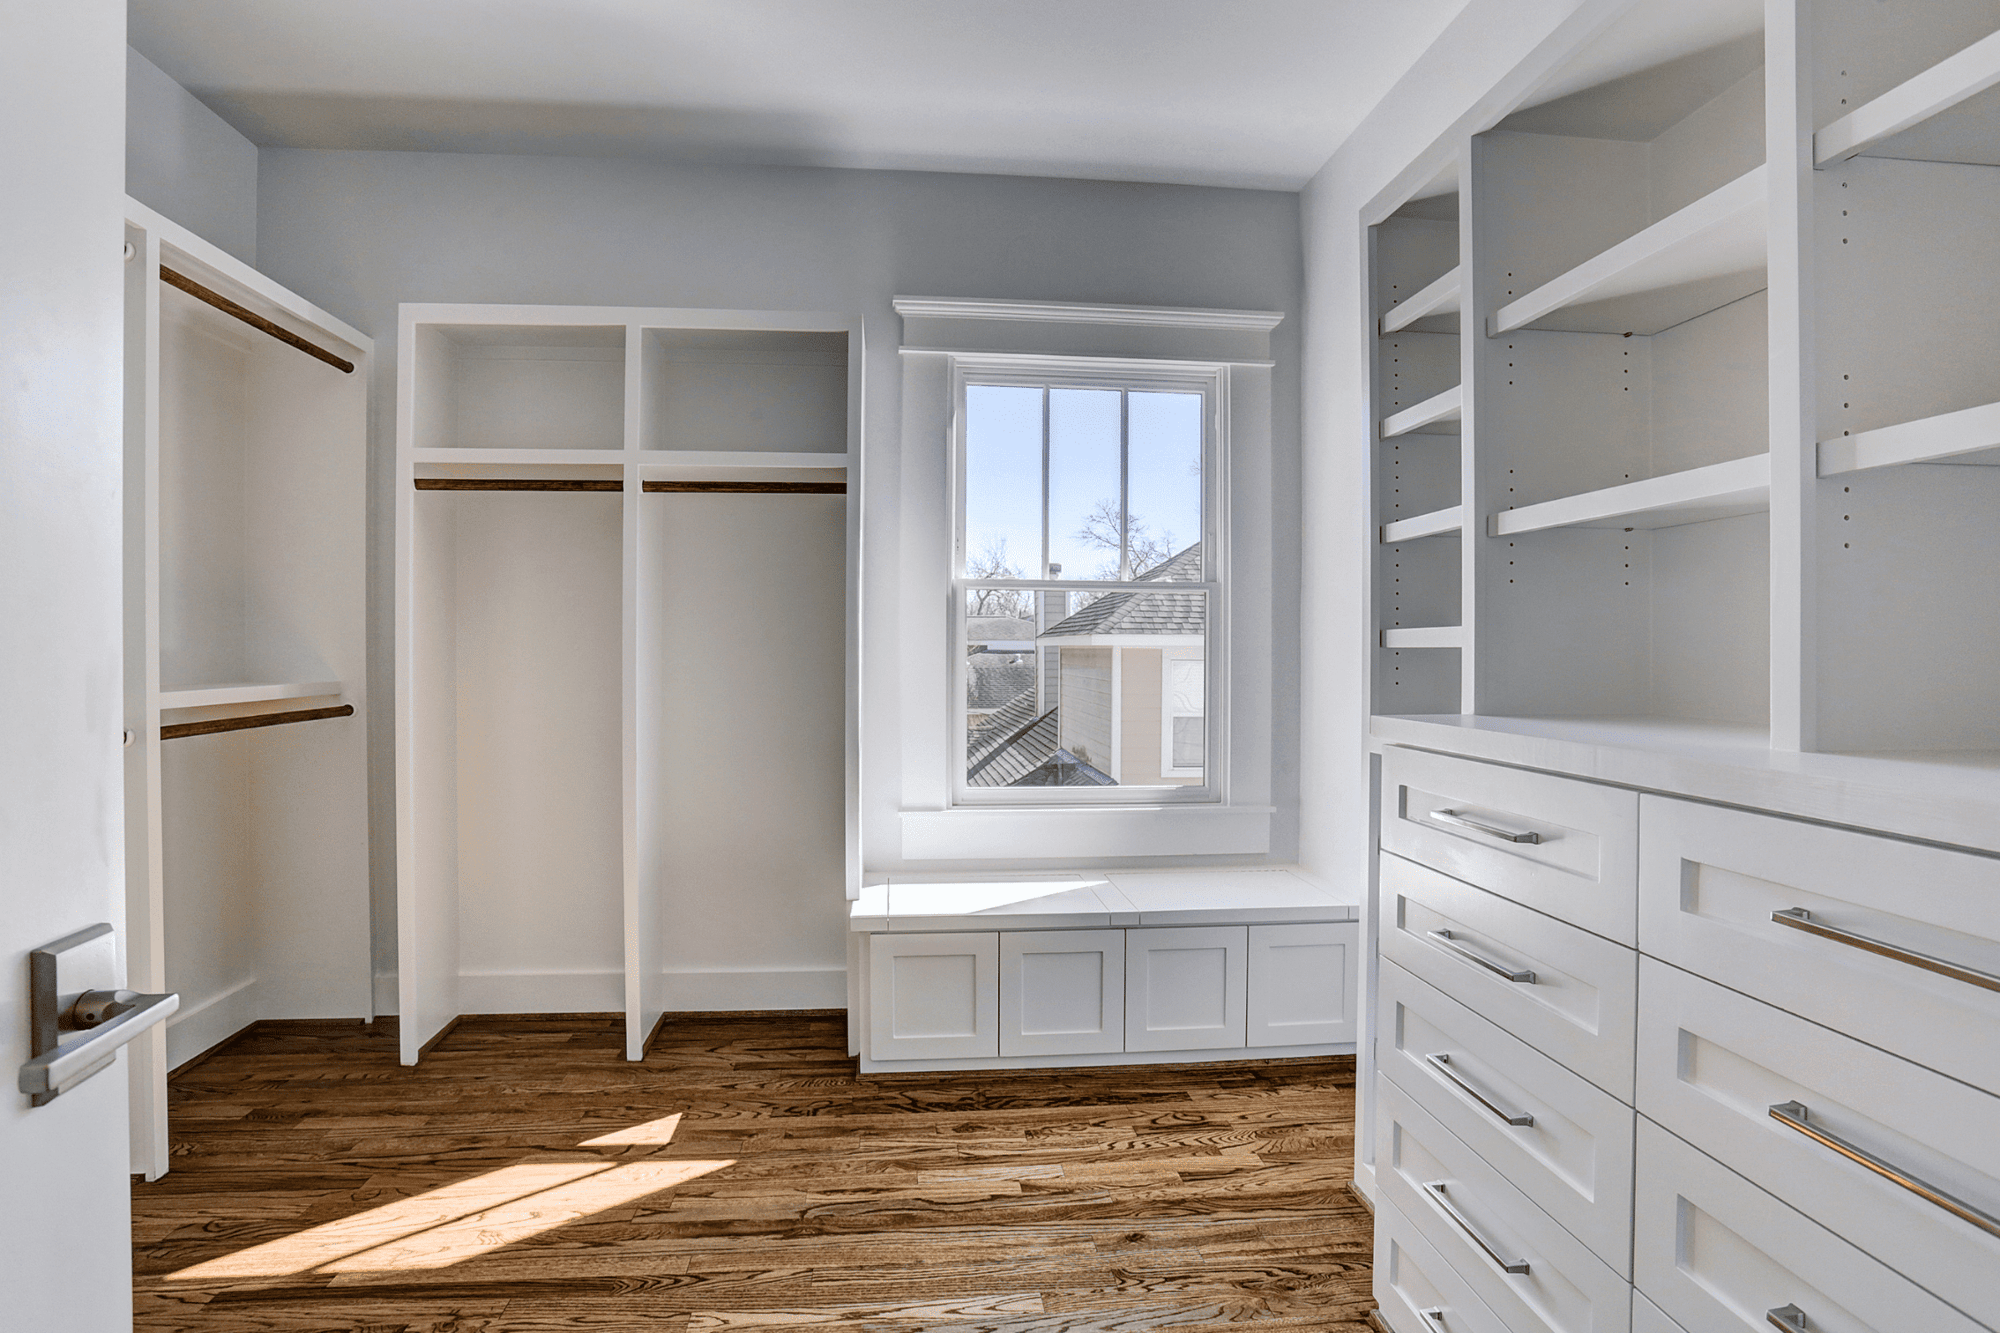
(1906, 289)
(1621, 463)
(743, 390)
(519, 386)
(1417, 305)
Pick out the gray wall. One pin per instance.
(186, 162)
(359, 232)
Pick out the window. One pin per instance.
(1087, 584)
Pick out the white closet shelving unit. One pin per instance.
(626, 645)
(1728, 656)
(245, 697)
(1420, 416)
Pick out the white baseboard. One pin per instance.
(1109, 1058)
(205, 1023)
(723, 991)
(541, 992)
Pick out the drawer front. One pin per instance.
(1574, 1161)
(933, 997)
(1567, 992)
(1184, 987)
(1519, 1262)
(1577, 851)
(1649, 1318)
(1062, 992)
(1720, 1255)
(1416, 1291)
(1302, 983)
(1714, 1063)
(1711, 880)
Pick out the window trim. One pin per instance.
(1211, 379)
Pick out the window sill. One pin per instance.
(1075, 834)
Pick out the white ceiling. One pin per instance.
(1251, 93)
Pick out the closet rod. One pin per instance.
(175, 731)
(514, 484)
(749, 487)
(252, 318)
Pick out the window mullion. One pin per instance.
(1124, 484)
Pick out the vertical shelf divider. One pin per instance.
(643, 906)
(1793, 376)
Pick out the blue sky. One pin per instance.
(1003, 447)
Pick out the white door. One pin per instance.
(65, 1236)
(1062, 992)
(1184, 988)
(933, 997)
(1302, 983)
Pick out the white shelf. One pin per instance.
(1721, 490)
(520, 457)
(1437, 523)
(1701, 258)
(1440, 298)
(1428, 636)
(1447, 406)
(1932, 439)
(210, 696)
(1938, 89)
(668, 460)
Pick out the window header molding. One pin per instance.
(1063, 312)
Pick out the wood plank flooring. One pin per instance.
(526, 1179)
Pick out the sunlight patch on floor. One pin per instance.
(653, 1132)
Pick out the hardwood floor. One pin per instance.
(525, 1178)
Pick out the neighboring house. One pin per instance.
(1130, 669)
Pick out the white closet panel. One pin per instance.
(1184, 987)
(1062, 992)
(934, 996)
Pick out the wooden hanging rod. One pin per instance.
(177, 730)
(748, 487)
(651, 487)
(515, 484)
(253, 319)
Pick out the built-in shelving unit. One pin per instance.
(669, 549)
(1418, 297)
(1949, 437)
(246, 792)
(1951, 85)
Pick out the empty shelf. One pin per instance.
(1440, 298)
(1443, 407)
(667, 460)
(1429, 636)
(1938, 89)
(1929, 440)
(1721, 490)
(1708, 254)
(209, 696)
(1434, 524)
(520, 457)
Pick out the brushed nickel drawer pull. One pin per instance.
(1436, 1312)
(1441, 1062)
(1457, 1219)
(1793, 1115)
(1798, 918)
(1450, 945)
(1788, 1317)
(1456, 820)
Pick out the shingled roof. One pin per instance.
(1013, 744)
(990, 687)
(1144, 612)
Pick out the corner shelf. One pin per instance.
(1938, 89)
(212, 696)
(1941, 438)
(1437, 523)
(1428, 636)
(1446, 406)
(1699, 259)
(1440, 298)
(1721, 490)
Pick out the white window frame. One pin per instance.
(1211, 380)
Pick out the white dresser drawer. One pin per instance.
(1561, 846)
(1521, 1264)
(1711, 880)
(1649, 1318)
(1574, 1160)
(1565, 991)
(1415, 1289)
(1720, 1255)
(1719, 1068)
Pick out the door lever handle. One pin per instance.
(75, 1035)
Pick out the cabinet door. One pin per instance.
(1062, 992)
(933, 997)
(1302, 983)
(1184, 988)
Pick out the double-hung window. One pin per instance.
(1088, 589)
